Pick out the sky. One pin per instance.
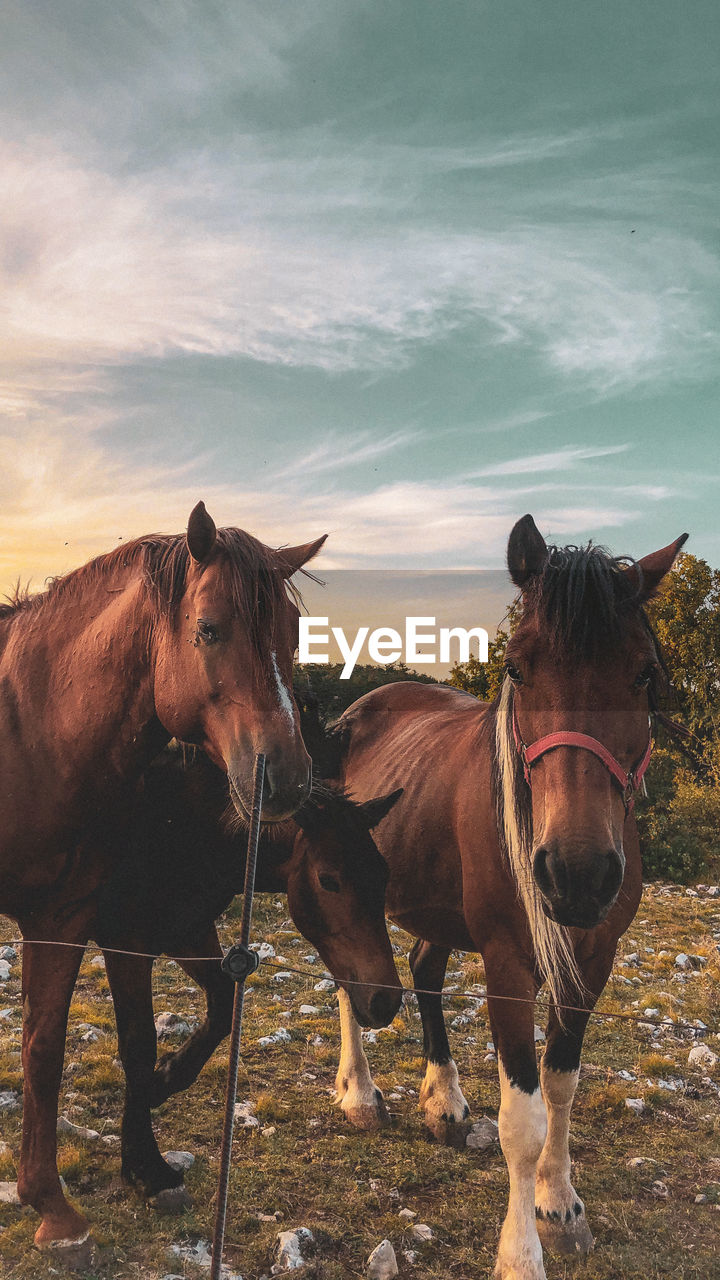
(395, 270)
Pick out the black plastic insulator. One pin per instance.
(239, 962)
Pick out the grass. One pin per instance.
(348, 1187)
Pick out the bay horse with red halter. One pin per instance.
(185, 863)
(188, 636)
(515, 837)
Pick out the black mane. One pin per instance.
(585, 600)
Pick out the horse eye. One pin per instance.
(514, 674)
(207, 632)
(329, 883)
(643, 680)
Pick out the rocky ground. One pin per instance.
(646, 1133)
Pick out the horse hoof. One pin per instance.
(572, 1239)
(449, 1133)
(171, 1200)
(76, 1255)
(368, 1117)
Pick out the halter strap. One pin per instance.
(627, 782)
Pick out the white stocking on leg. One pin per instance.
(523, 1126)
(561, 1221)
(357, 1094)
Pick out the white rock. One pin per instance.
(264, 949)
(291, 1250)
(660, 1190)
(8, 953)
(169, 1025)
(268, 1131)
(281, 1036)
(382, 1263)
(97, 962)
(200, 1255)
(539, 1035)
(410, 1256)
(90, 1036)
(702, 1056)
(626, 1075)
(310, 1010)
(650, 1012)
(325, 984)
(421, 1231)
(635, 1104)
(6, 1014)
(244, 1115)
(9, 1101)
(76, 1130)
(639, 1162)
(4, 970)
(9, 1193)
(5, 1150)
(281, 975)
(407, 1215)
(482, 1134)
(682, 961)
(180, 1159)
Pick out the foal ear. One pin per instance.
(375, 810)
(647, 574)
(290, 559)
(527, 551)
(201, 533)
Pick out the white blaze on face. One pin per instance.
(287, 706)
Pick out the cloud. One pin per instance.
(564, 459)
(283, 259)
(337, 453)
(62, 506)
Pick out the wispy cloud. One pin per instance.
(564, 459)
(245, 258)
(339, 452)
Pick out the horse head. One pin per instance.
(336, 895)
(224, 651)
(582, 670)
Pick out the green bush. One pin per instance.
(679, 823)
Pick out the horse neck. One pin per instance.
(76, 694)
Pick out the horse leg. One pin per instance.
(560, 1212)
(48, 978)
(177, 1071)
(356, 1092)
(522, 1120)
(440, 1094)
(130, 979)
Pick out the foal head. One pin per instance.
(336, 895)
(582, 661)
(224, 648)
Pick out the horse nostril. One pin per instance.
(541, 873)
(613, 876)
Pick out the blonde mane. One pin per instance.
(552, 942)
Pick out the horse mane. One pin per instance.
(250, 574)
(552, 942)
(584, 599)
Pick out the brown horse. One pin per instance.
(542, 879)
(188, 636)
(185, 864)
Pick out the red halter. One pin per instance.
(627, 782)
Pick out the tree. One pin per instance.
(686, 619)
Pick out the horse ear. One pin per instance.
(527, 552)
(201, 533)
(647, 574)
(290, 559)
(375, 810)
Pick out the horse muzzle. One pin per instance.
(578, 887)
